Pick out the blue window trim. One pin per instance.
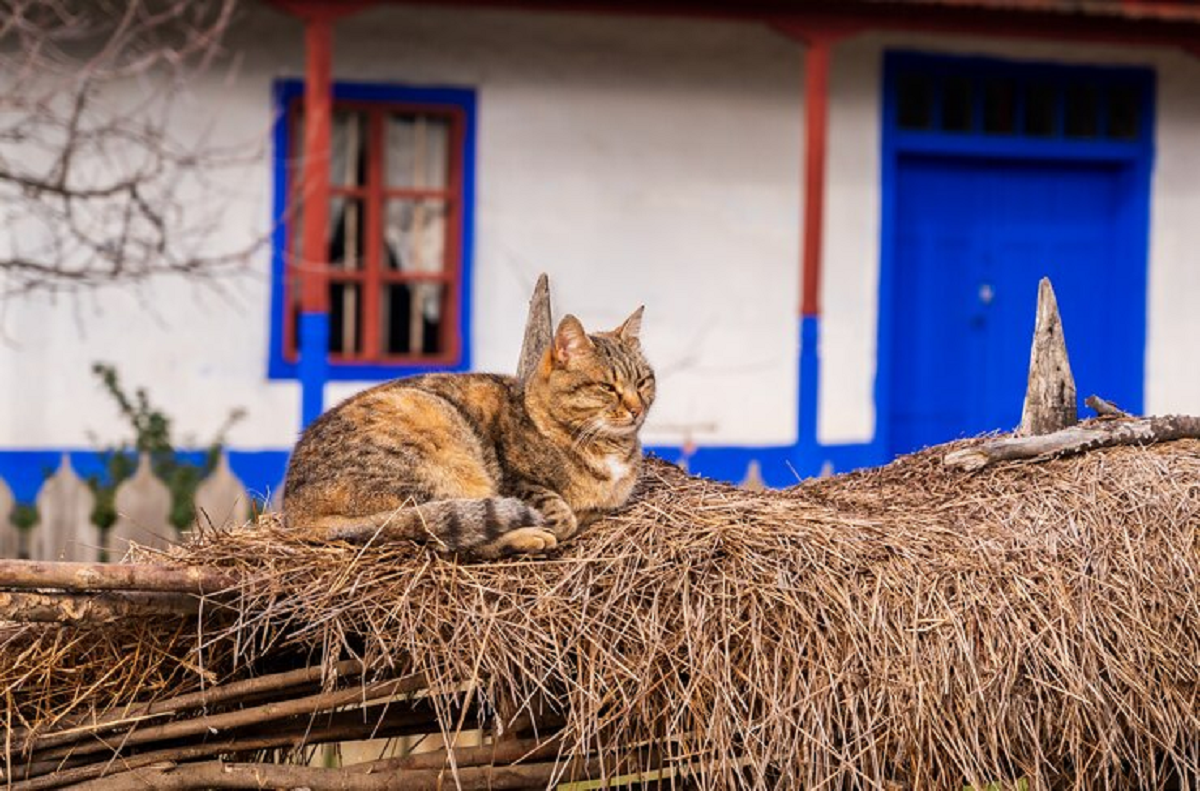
(284, 92)
(1135, 156)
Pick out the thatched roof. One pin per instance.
(908, 626)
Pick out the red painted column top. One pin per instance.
(818, 39)
(314, 187)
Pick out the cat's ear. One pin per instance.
(570, 341)
(631, 327)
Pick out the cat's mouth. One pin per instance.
(627, 427)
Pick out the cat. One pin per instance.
(479, 464)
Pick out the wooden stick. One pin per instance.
(256, 715)
(1050, 393)
(22, 574)
(498, 753)
(1077, 439)
(539, 330)
(105, 607)
(45, 775)
(216, 774)
(137, 714)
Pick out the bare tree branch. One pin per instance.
(97, 186)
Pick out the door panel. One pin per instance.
(973, 238)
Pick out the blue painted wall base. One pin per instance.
(260, 471)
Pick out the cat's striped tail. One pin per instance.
(485, 527)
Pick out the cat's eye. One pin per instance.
(645, 382)
(606, 388)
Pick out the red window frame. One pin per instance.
(373, 276)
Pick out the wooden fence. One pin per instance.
(65, 531)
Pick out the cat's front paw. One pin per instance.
(558, 517)
(525, 541)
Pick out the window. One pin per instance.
(964, 99)
(399, 228)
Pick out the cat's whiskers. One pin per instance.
(592, 428)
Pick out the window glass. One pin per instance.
(1040, 104)
(417, 151)
(345, 310)
(415, 235)
(914, 101)
(1000, 106)
(412, 315)
(1122, 115)
(1081, 114)
(956, 104)
(348, 150)
(347, 238)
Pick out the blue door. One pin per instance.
(973, 240)
(976, 220)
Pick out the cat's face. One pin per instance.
(597, 385)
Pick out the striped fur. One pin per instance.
(476, 463)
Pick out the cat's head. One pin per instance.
(595, 386)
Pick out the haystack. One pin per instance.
(1024, 624)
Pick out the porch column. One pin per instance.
(314, 252)
(818, 38)
(816, 124)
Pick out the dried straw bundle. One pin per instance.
(908, 626)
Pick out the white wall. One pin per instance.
(640, 160)
(636, 161)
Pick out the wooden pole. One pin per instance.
(24, 574)
(22, 607)
(539, 329)
(1050, 394)
(217, 774)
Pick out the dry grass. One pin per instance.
(905, 625)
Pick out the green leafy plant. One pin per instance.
(151, 434)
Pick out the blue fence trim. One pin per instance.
(283, 93)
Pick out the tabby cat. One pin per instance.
(477, 463)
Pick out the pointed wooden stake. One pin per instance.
(539, 329)
(1050, 395)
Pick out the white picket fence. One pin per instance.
(64, 530)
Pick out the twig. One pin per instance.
(1104, 408)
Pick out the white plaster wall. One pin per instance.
(850, 288)
(636, 161)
